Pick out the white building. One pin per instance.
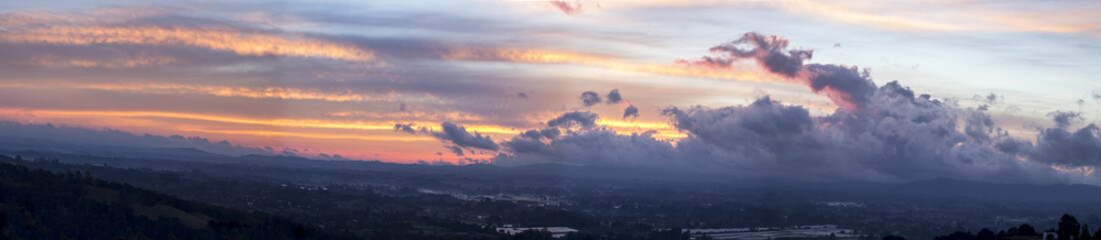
(556, 232)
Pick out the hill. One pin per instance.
(37, 204)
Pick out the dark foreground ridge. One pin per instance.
(36, 204)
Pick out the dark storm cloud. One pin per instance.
(845, 86)
(898, 136)
(590, 98)
(459, 136)
(764, 122)
(630, 111)
(848, 87)
(598, 147)
(1062, 146)
(585, 119)
(1066, 148)
(614, 97)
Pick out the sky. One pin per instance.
(853, 90)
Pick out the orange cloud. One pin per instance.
(223, 91)
(1084, 170)
(131, 62)
(371, 138)
(437, 116)
(295, 123)
(252, 43)
(663, 131)
(539, 56)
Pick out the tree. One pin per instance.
(533, 234)
(1085, 233)
(893, 237)
(1068, 227)
(1026, 230)
(985, 234)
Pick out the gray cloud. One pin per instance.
(1065, 148)
(522, 95)
(590, 98)
(459, 136)
(991, 98)
(548, 133)
(599, 147)
(456, 149)
(16, 137)
(770, 52)
(898, 136)
(630, 111)
(408, 127)
(848, 87)
(585, 119)
(1065, 119)
(614, 97)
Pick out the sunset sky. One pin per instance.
(335, 77)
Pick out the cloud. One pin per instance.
(1080, 148)
(614, 97)
(882, 134)
(17, 136)
(548, 133)
(458, 151)
(261, 92)
(904, 138)
(89, 31)
(522, 95)
(459, 136)
(598, 147)
(847, 87)
(1064, 119)
(569, 8)
(630, 111)
(408, 128)
(585, 119)
(590, 98)
(1062, 146)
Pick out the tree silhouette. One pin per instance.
(1068, 227)
(1085, 233)
(893, 237)
(1026, 230)
(985, 234)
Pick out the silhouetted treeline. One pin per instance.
(1068, 229)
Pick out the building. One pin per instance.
(556, 232)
